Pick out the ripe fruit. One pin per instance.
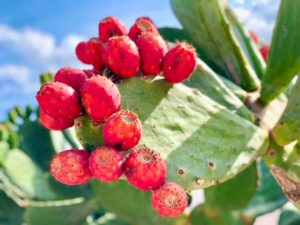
(264, 51)
(123, 130)
(59, 100)
(145, 169)
(106, 164)
(179, 63)
(90, 52)
(170, 200)
(72, 77)
(122, 56)
(55, 123)
(152, 49)
(142, 24)
(92, 73)
(81, 52)
(111, 26)
(71, 167)
(100, 98)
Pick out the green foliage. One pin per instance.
(209, 28)
(284, 59)
(128, 203)
(204, 216)
(25, 174)
(237, 90)
(289, 216)
(36, 142)
(4, 147)
(10, 212)
(88, 133)
(211, 85)
(106, 219)
(201, 128)
(223, 198)
(177, 118)
(285, 167)
(287, 129)
(206, 79)
(246, 43)
(46, 77)
(268, 197)
(67, 212)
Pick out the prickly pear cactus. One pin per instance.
(176, 119)
(223, 50)
(278, 76)
(227, 128)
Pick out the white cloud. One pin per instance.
(39, 48)
(38, 51)
(239, 1)
(16, 79)
(257, 15)
(242, 13)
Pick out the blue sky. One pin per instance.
(39, 35)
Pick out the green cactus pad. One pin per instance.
(173, 35)
(88, 133)
(249, 47)
(10, 212)
(131, 205)
(284, 59)
(195, 135)
(4, 148)
(203, 215)
(268, 197)
(67, 212)
(106, 219)
(36, 142)
(211, 85)
(208, 26)
(288, 128)
(26, 175)
(289, 215)
(235, 89)
(223, 198)
(284, 163)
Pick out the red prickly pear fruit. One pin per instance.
(55, 123)
(92, 73)
(95, 51)
(71, 167)
(179, 63)
(81, 52)
(111, 26)
(123, 130)
(59, 100)
(264, 51)
(170, 200)
(254, 36)
(145, 18)
(90, 52)
(152, 49)
(142, 24)
(122, 57)
(75, 78)
(100, 98)
(145, 169)
(106, 164)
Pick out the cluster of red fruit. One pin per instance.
(141, 49)
(75, 92)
